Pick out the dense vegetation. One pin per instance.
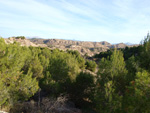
(41, 76)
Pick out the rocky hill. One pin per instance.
(23, 42)
(84, 47)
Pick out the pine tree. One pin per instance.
(64, 62)
(14, 85)
(111, 82)
(145, 54)
(137, 95)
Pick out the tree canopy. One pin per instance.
(118, 83)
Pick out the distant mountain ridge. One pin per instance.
(84, 47)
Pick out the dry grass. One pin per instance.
(59, 105)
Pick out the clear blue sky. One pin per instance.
(87, 20)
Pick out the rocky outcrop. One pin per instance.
(23, 42)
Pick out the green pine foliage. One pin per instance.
(62, 66)
(111, 83)
(83, 87)
(145, 54)
(121, 84)
(80, 59)
(137, 98)
(91, 65)
(16, 85)
(3, 92)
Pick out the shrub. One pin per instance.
(90, 65)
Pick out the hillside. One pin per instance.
(23, 42)
(84, 47)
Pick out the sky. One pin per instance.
(115, 21)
